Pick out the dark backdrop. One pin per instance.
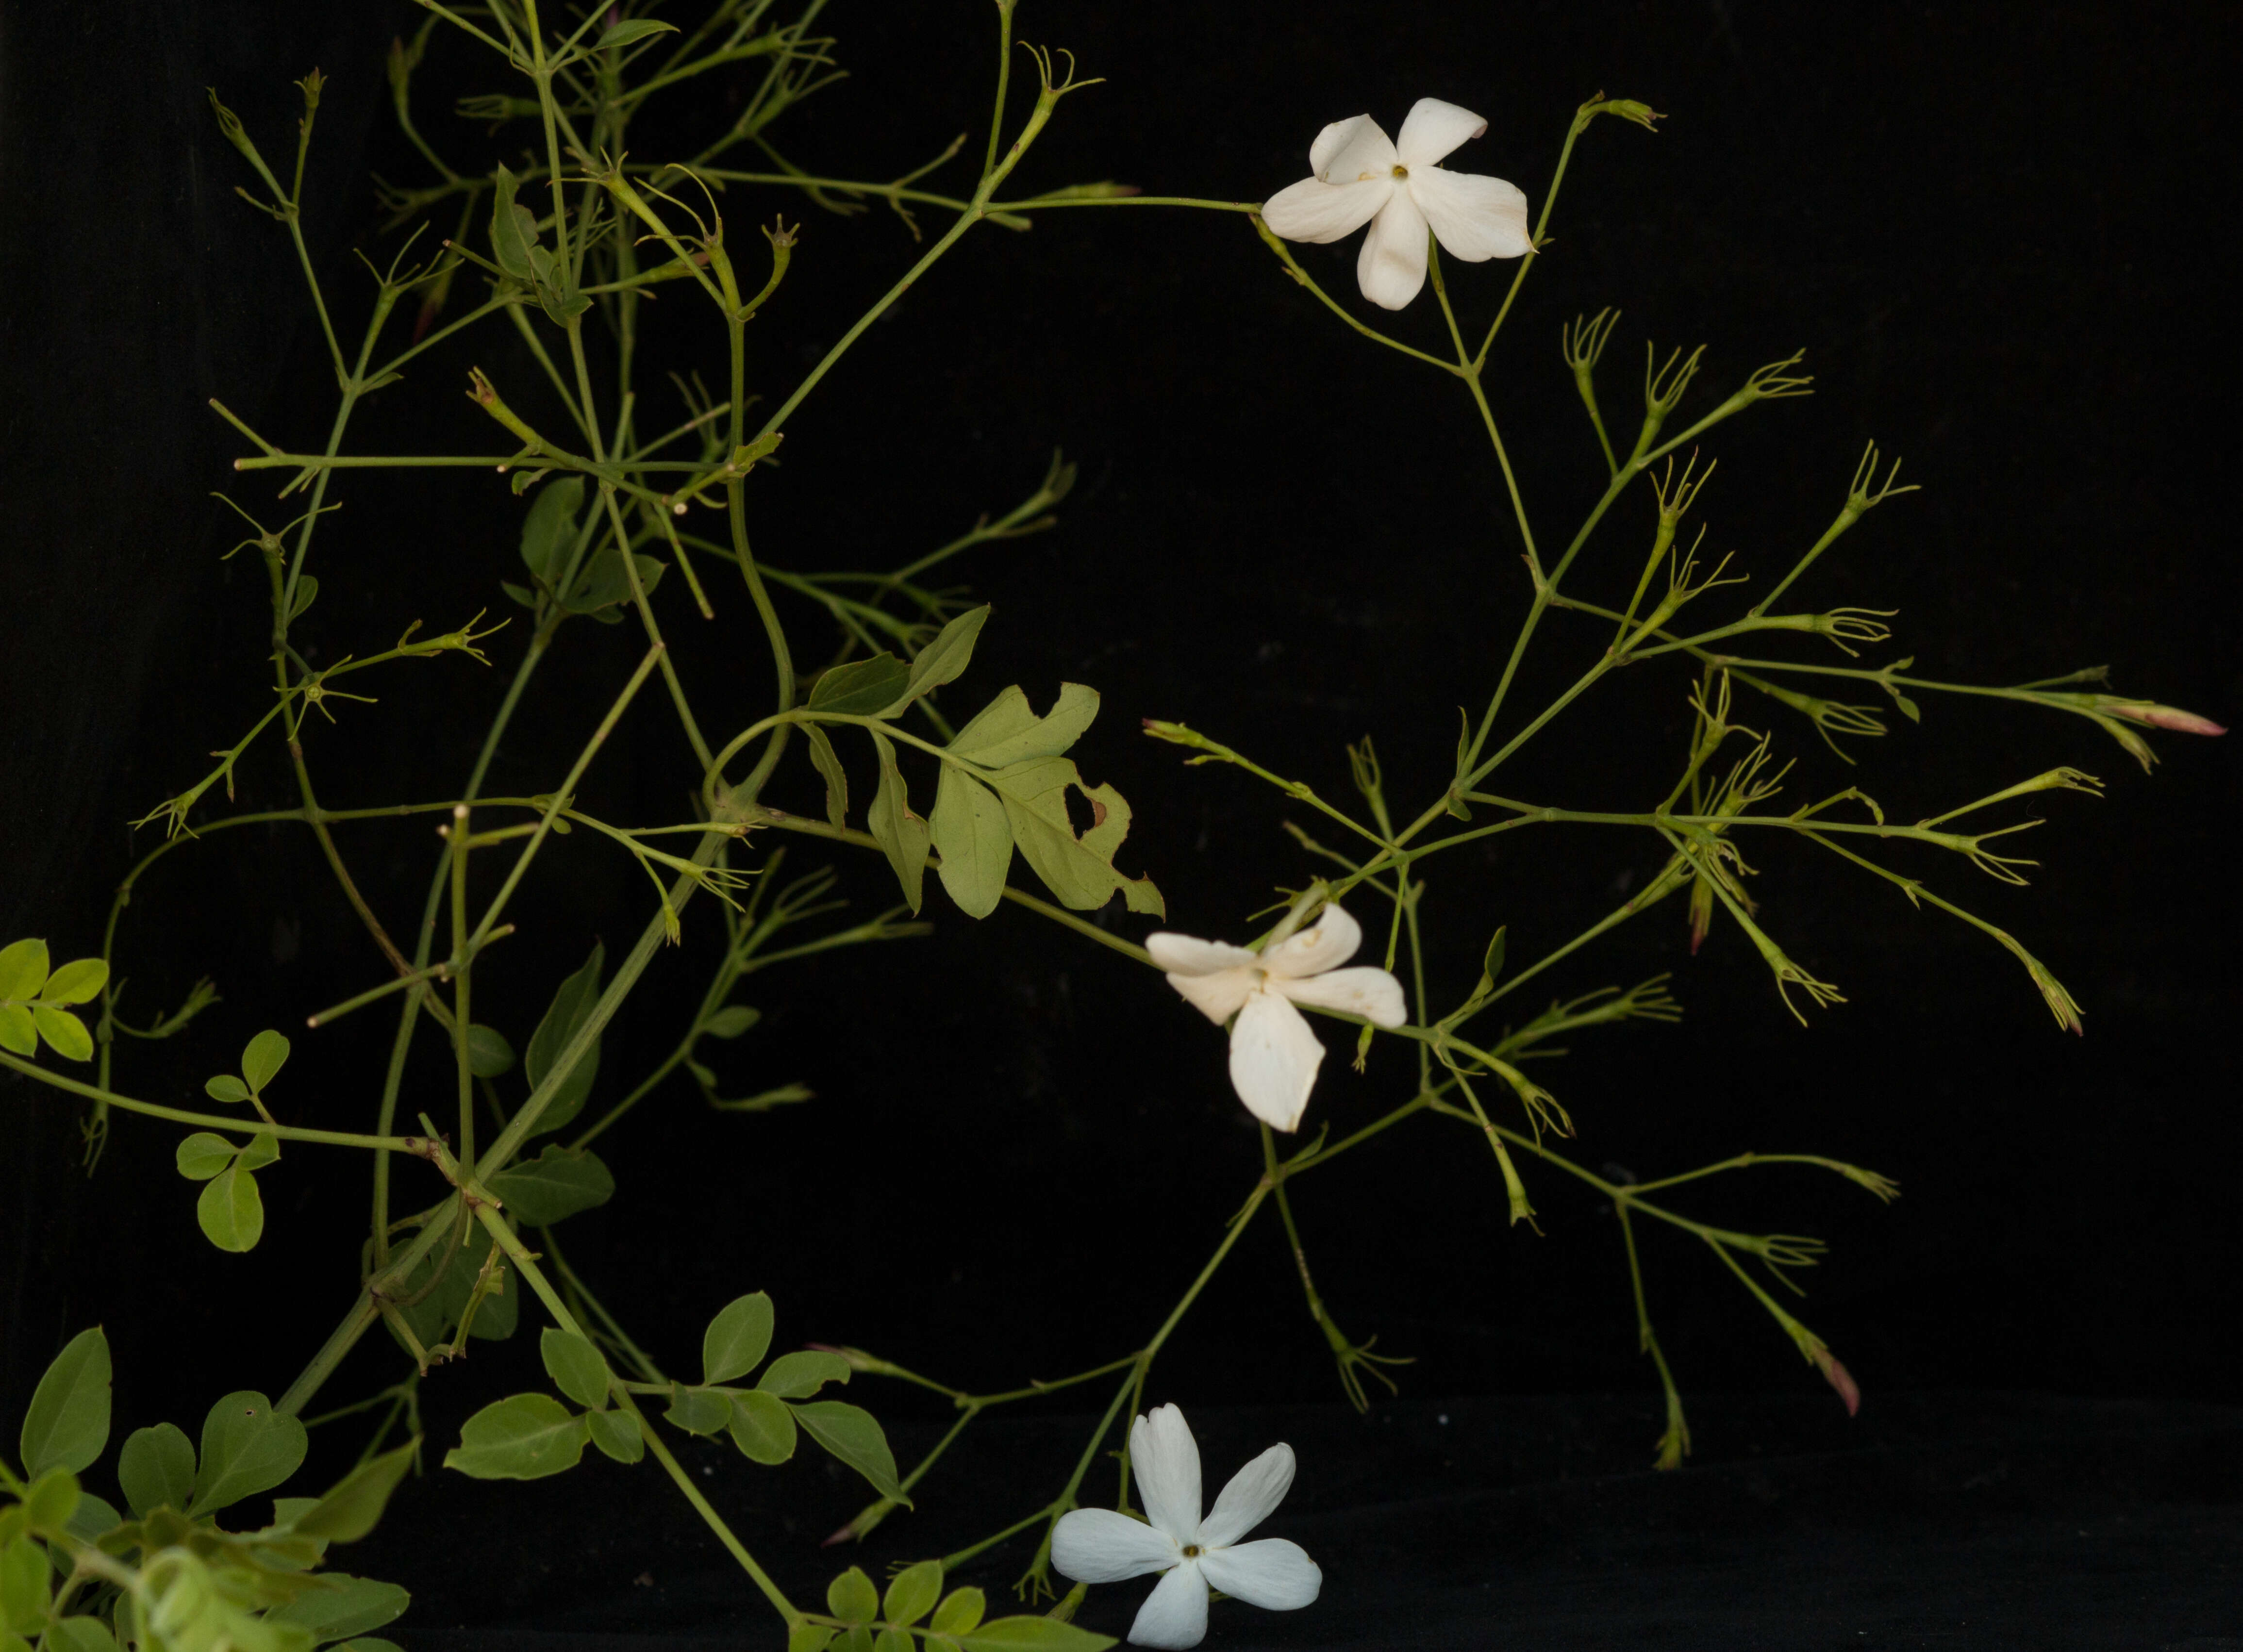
(1995, 234)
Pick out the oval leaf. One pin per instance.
(565, 1017)
(633, 30)
(731, 1021)
(575, 1367)
(68, 1422)
(913, 1592)
(1033, 1634)
(851, 1597)
(975, 841)
(559, 1182)
(488, 1053)
(266, 1054)
(80, 1634)
(902, 836)
(942, 660)
(227, 1088)
(157, 1468)
(23, 969)
(19, 1035)
(796, 1376)
(202, 1155)
(616, 1434)
(247, 1447)
(353, 1506)
(507, 244)
(737, 1339)
(77, 982)
(549, 532)
(862, 688)
(762, 1427)
(65, 1033)
(961, 1610)
(527, 1436)
(231, 1211)
(353, 1606)
(699, 1411)
(853, 1434)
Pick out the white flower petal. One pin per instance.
(1273, 1572)
(1175, 1613)
(1314, 211)
(1165, 1458)
(1273, 1066)
(1352, 149)
(1392, 268)
(1372, 993)
(1432, 129)
(1325, 944)
(1219, 996)
(1102, 1546)
(1188, 954)
(1477, 218)
(1253, 1492)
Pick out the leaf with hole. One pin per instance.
(247, 1447)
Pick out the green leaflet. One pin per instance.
(903, 836)
(737, 1339)
(828, 763)
(575, 1367)
(68, 1422)
(559, 1182)
(854, 1435)
(1007, 729)
(762, 1427)
(571, 1007)
(972, 834)
(231, 1211)
(1079, 870)
(862, 688)
(247, 1447)
(157, 1468)
(527, 1436)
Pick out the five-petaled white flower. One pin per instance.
(1103, 1546)
(1362, 177)
(1274, 1057)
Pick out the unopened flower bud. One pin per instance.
(2173, 717)
(1839, 1377)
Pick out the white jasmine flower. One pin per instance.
(1103, 1546)
(1274, 1057)
(1363, 177)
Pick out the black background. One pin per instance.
(1994, 231)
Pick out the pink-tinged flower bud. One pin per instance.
(1701, 913)
(1838, 1377)
(2173, 717)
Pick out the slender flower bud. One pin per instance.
(1838, 1377)
(2173, 717)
